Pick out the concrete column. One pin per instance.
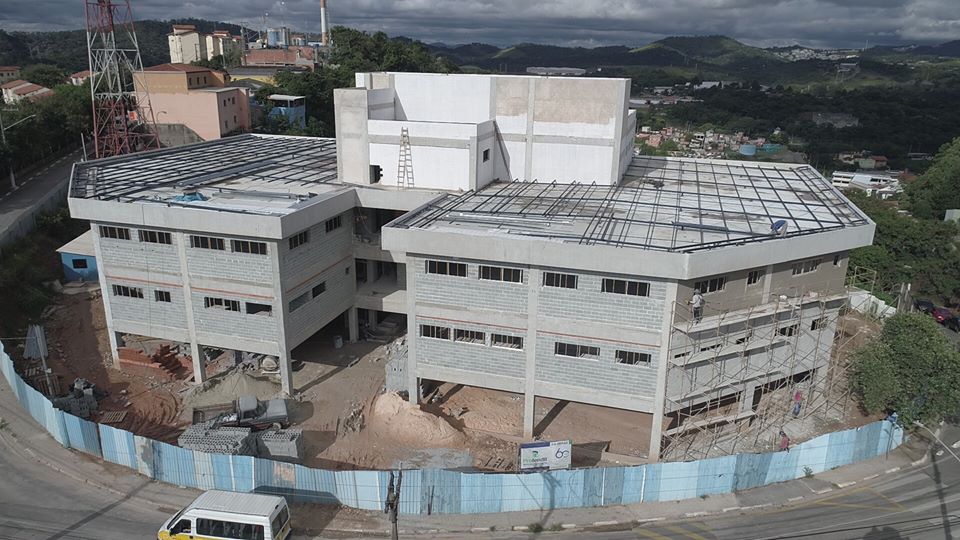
(283, 356)
(659, 403)
(353, 325)
(198, 374)
(413, 330)
(372, 319)
(767, 283)
(286, 374)
(534, 277)
(105, 294)
(746, 397)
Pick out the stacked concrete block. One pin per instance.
(210, 438)
(280, 444)
(76, 405)
(396, 367)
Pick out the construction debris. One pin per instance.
(396, 366)
(112, 417)
(354, 420)
(80, 400)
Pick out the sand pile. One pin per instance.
(227, 387)
(405, 423)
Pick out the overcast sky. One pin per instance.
(840, 23)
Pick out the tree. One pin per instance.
(938, 189)
(44, 75)
(911, 368)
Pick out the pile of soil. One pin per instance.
(406, 424)
(228, 386)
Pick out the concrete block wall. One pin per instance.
(603, 374)
(229, 266)
(118, 255)
(326, 258)
(217, 320)
(470, 292)
(473, 357)
(146, 310)
(588, 303)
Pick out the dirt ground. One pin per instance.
(79, 347)
(338, 389)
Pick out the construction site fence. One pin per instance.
(431, 491)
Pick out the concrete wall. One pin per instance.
(442, 153)
(582, 316)
(550, 128)
(186, 48)
(72, 273)
(326, 258)
(204, 112)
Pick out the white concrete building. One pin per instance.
(559, 289)
(186, 44)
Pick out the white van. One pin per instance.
(217, 515)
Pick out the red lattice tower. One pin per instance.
(122, 123)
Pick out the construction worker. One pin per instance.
(784, 442)
(797, 401)
(697, 302)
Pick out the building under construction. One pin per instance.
(574, 281)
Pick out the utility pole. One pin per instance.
(3, 138)
(393, 503)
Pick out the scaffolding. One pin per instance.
(735, 376)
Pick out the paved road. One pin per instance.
(33, 188)
(50, 493)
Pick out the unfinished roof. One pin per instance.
(663, 204)
(259, 174)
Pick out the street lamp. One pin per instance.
(3, 137)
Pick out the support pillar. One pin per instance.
(413, 331)
(372, 319)
(663, 359)
(286, 374)
(353, 325)
(196, 353)
(534, 277)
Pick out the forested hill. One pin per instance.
(68, 49)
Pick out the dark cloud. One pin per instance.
(842, 23)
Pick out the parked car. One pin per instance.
(953, 323)
(924, 306)
(941, 314)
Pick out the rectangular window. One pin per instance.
(632, 358)
(79, 264)
(299, 239)
(129, 292)
(506, 342)
(711, 285)
(259, 309)
(245, 246)
(806, 267)
(566, 281)
(221, 303)
(319, 289)
(206, 242)
(745, 338)
(117, 233)
(576, 351)
(681, 355)
(486, 155)
(496, 273)
(788, 330)
(622, 286)
(817, 324)
(435, 332)
(754, 277)
(447, 268)
(155, 237)
(161, 296)
(469, 336)
(299, 301)
(334, 223)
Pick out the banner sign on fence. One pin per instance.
(546, 455)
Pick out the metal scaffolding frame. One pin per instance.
(678, 205)
(714, 364)
(287, 165)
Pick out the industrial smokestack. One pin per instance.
(324, 31)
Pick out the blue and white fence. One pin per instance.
(432, 491)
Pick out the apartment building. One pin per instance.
(512, 274)
(9, 73)
(186, 45)
(195, 97)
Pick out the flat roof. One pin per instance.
(662, 204)
(257, 174)
(249, 504)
